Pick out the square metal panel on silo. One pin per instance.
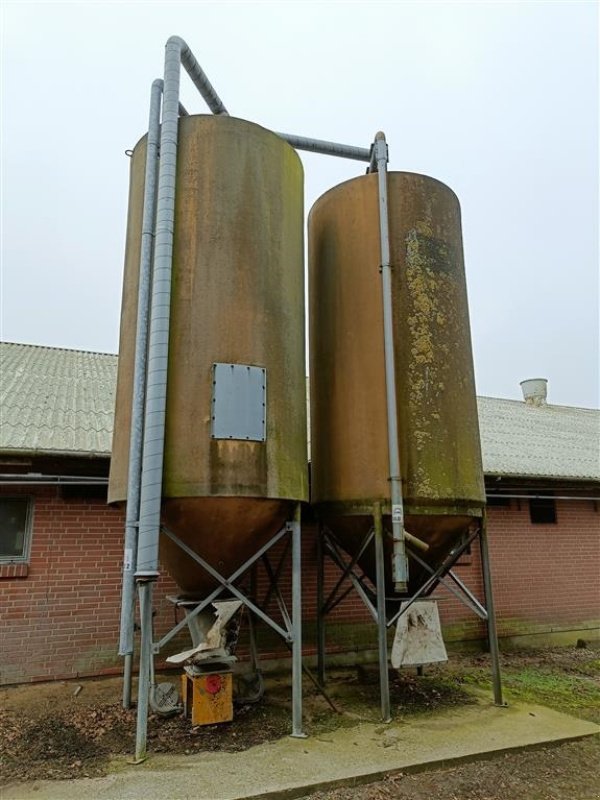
(239, 402)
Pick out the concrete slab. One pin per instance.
(294, 767)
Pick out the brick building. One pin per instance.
(61, 545)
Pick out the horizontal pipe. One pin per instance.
(541, 497)
(95, 480)
(52, 480)
(327, 148)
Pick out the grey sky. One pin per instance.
(498, 100)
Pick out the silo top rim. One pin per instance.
(224, 119)
(373, 176)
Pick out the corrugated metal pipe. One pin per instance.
(158, 343)
(177, 53)
(327, 148)
(197, 74)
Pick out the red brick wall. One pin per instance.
(546, 577)
(60, 617)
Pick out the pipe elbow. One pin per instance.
(159, 84)
(177, 41)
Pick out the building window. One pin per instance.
(15, 529)
(542, 510)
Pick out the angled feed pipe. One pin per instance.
(197, 74)
(399, 559)
(139, 391)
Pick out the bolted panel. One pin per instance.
(239, 402)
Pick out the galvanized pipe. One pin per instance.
(296, 531)
(327, 148)
(136, 439)
(320, 607)
(399, 559)
(52, 480)
(158, 347)
(156, 381)
(491, 613)
(146, 656)
(384, 680)
(197, 74)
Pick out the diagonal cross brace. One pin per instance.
(226, 583)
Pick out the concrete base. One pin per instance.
(292, 768)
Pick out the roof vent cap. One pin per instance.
(535, 391)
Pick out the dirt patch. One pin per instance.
(76, 742)
(71, 730)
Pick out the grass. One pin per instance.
(571, 688)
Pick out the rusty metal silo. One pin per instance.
(235, 441)
(441, 469)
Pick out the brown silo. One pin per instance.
(235, 441)
(441, 470)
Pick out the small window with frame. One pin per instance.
(542, 510)
(16, 515)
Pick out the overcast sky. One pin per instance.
(498, 100)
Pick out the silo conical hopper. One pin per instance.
(441, 469)
(235, 440)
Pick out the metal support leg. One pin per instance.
(384, 683)
(127, 679)
(146, 656)
(491, 615)
(297, 626)
(320, 608)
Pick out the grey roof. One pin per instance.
(55, 401)
(539, 441)
(62, 401)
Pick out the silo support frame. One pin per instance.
(377, 604)
(291, 632)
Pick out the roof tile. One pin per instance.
(62, 401)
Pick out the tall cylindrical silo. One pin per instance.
(441, 470)
(235, 441)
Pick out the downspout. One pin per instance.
(399, 559)
(126, 640)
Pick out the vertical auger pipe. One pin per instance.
(158, 346)
(384, 680)
(296, 526)
(141, 733)
(399, 559)
(156, 382)
(139, 392)
(491, 612)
